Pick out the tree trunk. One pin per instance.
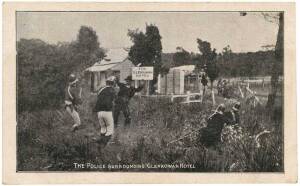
(279, 54)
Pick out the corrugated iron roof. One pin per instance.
(113, 58)
(115, 55)
(101, 67)
(187, 69)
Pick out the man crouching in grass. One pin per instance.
(104, 105)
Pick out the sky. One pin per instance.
(243, 33)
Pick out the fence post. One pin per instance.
(188, 97)
(148, 87)
(188, 82)
(213, 97)
(166, 84)
(241, 91)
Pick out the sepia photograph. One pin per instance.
(151, 91)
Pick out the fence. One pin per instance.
(189, 97)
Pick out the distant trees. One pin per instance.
(226, 54)
(146, 50)
(233, 64)
(277, 64)
(181, 57)
(225, 61)
(43, 68)
(246, 64)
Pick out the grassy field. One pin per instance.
(45, 142)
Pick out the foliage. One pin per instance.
(43, 68)
(181, 57)
(247, 64)
(208, 56)
(146, 50)
(276, 66)
(46, 143)
(235, 64)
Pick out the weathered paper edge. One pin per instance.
(10, 176)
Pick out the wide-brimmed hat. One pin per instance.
(221, 108)
(72, 79)
(111, 79)
(129, 78)
(236, 106)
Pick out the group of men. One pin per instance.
(211, 134)
(112, 99)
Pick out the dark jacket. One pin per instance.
(204, 81)
(215, 123)
(72, 95)
(211, 134)
(232, 117)
(105, 99)
(126, 91)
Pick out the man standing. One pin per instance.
(126, 92)
(219, 86)
(104, 106)
(72, 100)
(204, 82)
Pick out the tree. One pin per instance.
(43, 68)
(86, 50)
(181, 57)
(279, 52)
(208, 56)
(225, 60)
(196, 60)
(279, 55)
(226, 54)
(38, 79)
(146, 50)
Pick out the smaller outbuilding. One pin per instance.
(179, 80)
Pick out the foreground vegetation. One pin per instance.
(46, 143)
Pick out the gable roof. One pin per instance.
(115, 55)
(113, 58)
(187, 69)
(184, 68)
(101, 67)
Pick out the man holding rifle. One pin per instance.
(126, 92)
(72, 100)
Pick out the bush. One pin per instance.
(43, 69)
(46, 143)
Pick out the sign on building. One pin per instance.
(142, 73)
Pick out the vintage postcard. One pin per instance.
(149, 93)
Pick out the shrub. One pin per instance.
(43, 69)
(46, 143)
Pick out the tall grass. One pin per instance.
(45, 141)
